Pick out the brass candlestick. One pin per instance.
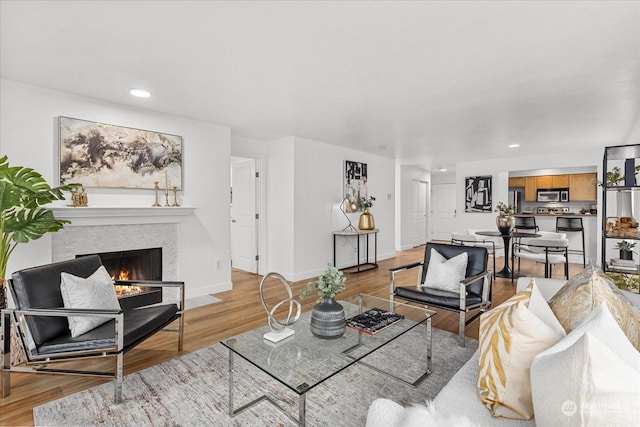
(166, 196)
(155, 186)
(175, 197)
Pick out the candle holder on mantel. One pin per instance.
(155, 186)
(175, 197)
(166, 196)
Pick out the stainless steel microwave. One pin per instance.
(553, 195)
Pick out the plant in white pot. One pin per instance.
(327, 317)
(23, 191)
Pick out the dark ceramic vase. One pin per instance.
(626, 254)
(328, 320)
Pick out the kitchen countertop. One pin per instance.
(559, 214)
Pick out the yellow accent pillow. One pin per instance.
(511, 335)
(584, 292)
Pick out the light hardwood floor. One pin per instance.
(239, 311)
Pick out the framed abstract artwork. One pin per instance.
(109, 156)
(355, 181)
(477, 192)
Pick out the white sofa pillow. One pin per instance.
(590, 378)
(96, 291)
(511, 335)
(446, 274)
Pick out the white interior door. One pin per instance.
(243, 215)
(418, 222)
(443, 209)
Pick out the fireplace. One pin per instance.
(135, 264)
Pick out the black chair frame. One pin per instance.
(475, 289)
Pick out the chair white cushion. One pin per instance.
(589, 378)
(510, 336)
(94, 292)
(446, 274)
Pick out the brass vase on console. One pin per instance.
(366, 221)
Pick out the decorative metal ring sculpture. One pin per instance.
(274, 324)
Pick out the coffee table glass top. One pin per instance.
(303, 361)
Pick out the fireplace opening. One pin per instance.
(134, 264)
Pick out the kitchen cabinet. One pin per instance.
(560, 181)
(552, 181)
(530, 189)
(582, 187)
(544, 182)
(516, 182)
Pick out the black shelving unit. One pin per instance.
(625, 157)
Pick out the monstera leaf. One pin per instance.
(23, 191)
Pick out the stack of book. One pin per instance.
(623, 264)
(373, 321)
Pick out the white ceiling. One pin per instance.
(424, 82)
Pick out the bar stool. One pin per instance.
(526, 223)
(572, 224)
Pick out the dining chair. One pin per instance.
(549, 249)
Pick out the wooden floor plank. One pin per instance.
(238, 311)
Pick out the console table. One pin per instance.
(359, 267)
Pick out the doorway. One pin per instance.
(443, 202)
(418, 213)
(245, 214)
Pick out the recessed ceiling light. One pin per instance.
(140, 93)
(514, 145)
(442, 169)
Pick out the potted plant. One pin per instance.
(505, 221)
(625, 248)
(23, 191)
(327, 317)
(366, 219)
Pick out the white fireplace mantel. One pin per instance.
(92, 215)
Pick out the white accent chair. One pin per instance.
(473, 239)
(549, 249)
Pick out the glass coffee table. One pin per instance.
(313, 360)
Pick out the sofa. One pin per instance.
(458, 403)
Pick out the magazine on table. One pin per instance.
(373, 320)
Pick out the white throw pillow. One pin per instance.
(590, 378)
(511, 335)
(446, 274)
(94, 292)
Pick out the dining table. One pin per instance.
(506, 238)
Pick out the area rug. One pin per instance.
(193, 390)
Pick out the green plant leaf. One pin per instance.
(31, 224)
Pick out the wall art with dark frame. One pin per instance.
(109, 156)
(355, 181)
(477, 190)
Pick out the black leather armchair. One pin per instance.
(475, 289)
(43, 330)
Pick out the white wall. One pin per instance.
(499, 169)
(28, 135)
(303, 180)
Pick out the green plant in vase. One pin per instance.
(626, 249)
(327, 317)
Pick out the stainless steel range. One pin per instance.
(552, 210)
